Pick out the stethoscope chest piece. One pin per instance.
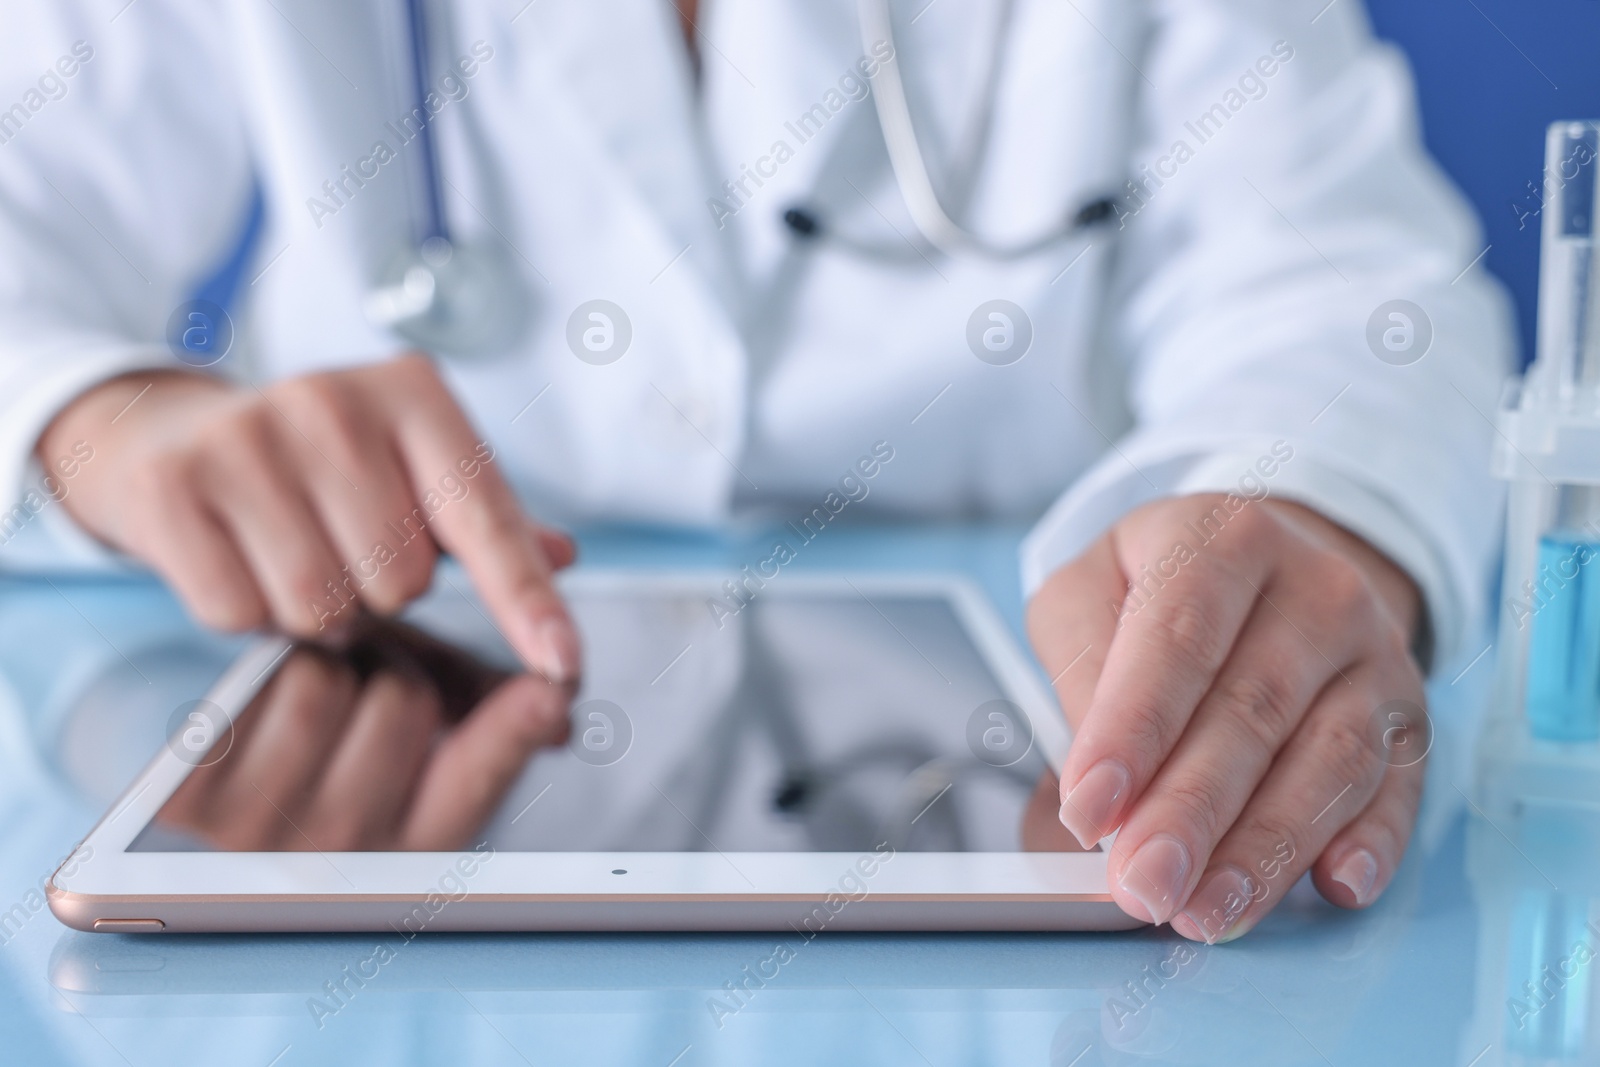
(453, 299)
(459, 299)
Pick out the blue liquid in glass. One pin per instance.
(1564, 650)
(1548, 977)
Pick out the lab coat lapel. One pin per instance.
(774, 78)
(622, 63)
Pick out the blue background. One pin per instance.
(1491, 75)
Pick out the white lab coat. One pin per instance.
(1169, 352)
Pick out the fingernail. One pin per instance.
(1088, 809)
(1156, 875)
(1358, 872)
(1213, 912)
(555, 650)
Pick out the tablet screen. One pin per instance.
(802, 721)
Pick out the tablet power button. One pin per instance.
(129, 926)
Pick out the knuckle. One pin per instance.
(1268, 833)
(1255, 528)
(322, 404)
(482, 517)
(496, 524)
(231, 451)
(1263, 704)
(1187, 631)
(1149, 726)
(1196, 803)
(251, 425)
(164, 477)
(1343, 588)
(151, 499)
(1342, 745)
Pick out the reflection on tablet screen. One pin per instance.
(806, 722)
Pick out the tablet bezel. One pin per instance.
(106, 884)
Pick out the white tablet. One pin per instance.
(818, 752)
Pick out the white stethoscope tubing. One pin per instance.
(448, 299)
(910, 165)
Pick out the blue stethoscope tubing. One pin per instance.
(457, 299)
(434, 224)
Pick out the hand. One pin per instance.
(1042, 829)
(1221, 708)
(304, 502)
(325, 760)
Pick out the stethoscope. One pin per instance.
(826, 795)
(459, 299)
(909, 165)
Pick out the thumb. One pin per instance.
(1071, 622)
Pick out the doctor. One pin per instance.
(1176, 277)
